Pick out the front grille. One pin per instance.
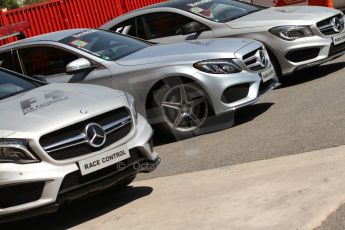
(75, 180)
(326, 26)
(19, 194)
(70, 142)
(252, 60)
(235, 93)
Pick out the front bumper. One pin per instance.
(63, 182)
(319, 62)
(304, 52)
(248, 89)
(87, 190)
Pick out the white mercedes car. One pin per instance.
(59, 142)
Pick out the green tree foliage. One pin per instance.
(13, 4)
(30, 2)
(9, 4)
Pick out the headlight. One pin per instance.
(132, 105)
(16, 151)
(291, 33)
(218, 66)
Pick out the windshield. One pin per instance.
(219, 10)
(106, 45)
(11, 84)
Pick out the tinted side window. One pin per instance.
(159, 25)
(9, 60)
(127, 27)
(45, 60)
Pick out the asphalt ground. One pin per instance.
(293, 192)
(306, 114)
(336, 221)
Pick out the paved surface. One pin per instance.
(308, 114)
(292, 192)
(336, 221)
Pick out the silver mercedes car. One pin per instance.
(177, 85)
(60, 142)
(295, 37)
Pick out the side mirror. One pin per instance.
(191, 27)
(78, 66)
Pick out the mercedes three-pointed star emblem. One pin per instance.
(95, 135)
(261, 58)
(337, 25)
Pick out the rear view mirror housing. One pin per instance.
(192, 27)
(79, 65)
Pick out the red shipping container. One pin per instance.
(66, 14)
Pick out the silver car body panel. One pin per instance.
(77, 97)
(139, 72)
(278, 16)
(256, 26)
(338, 4)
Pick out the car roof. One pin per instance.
(53, 37)
(171, 3)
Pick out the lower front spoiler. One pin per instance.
(273, 85)
(87, 190)
(319, 62)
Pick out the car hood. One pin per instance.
(288, 15)
(5, 133)
(186, 51)
(54, 105)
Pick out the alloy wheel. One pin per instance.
(184, 108)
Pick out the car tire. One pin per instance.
(182, 107)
